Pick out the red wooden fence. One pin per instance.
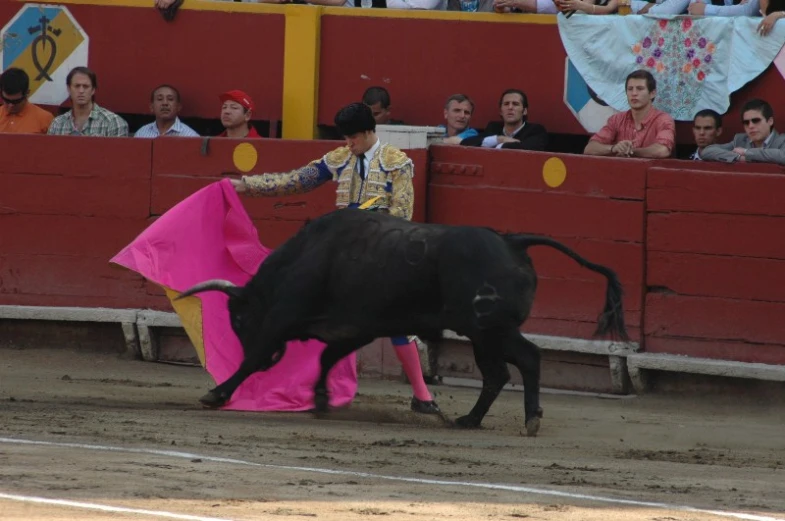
(697, 245)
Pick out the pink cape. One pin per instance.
(209, 235)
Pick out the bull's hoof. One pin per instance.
(213, 400)
(467, 422)
(532, 426)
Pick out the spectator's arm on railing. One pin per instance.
(765, 155)
(415, 4)
(722, 153)
(703, 8)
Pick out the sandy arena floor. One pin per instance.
(119, 439)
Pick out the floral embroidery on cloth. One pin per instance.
(697, 61)
(680, 58)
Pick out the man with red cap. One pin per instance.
(236, 114)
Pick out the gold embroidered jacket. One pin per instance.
(389, 176)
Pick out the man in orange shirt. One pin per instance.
(642, 131)
(17, 114)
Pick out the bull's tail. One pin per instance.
(611, 320)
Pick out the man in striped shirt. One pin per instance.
(165, 106)
(86, 118)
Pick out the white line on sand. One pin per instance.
(440, 482)
(107, 508)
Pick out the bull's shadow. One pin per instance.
(352, 276)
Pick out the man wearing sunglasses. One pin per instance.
(18, 115)
(759, 143)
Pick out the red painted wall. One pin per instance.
(716, 264)
(67, 206)
(438, 58)
(696, 245)
(598, 211)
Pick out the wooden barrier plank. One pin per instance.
(625, 258)
(585, 175)
(68, 175)
(66, 275)
(98, 237)
(736, 351)
(124, 301)
(714, 318)
(558, 215)
(739, 235)
(715, 192)
(572, 329)
(578, 300)
(717, 276)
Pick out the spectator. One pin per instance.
(706, 127)
(642, 131)
(379, 100)
(18, 115)
(588, 6)
(367, 172)
(659, 6)
(470, 6)
(725, 8)
(514, 131)
(236, 113)
(759, 143)
(86, 118)
(772, 10)
(165, 106)
(554, 6)
(458, 114)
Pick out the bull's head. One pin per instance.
(246, 316)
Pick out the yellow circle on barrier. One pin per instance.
(245, 157)
(554, 172)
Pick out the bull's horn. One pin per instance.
(215, 284)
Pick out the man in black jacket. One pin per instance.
(514, 131)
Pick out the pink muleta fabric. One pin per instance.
(209, 235)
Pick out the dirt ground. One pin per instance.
(655, 457)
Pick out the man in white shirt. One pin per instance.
(165, 106)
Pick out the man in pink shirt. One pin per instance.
(642, 131)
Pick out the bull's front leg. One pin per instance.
(332, 354)
(261, 359)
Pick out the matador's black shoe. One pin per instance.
(424, 407)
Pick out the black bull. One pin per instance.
(352, 276)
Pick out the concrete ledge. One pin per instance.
(71, 314)
(125, 317)
(615, 351)
(639, 363)
(152, 318)
(148, 342)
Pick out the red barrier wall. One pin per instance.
(716, 264)
(67, 206)
(438, 58)
(598, 211)
(202, 53)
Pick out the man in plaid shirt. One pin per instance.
(86, 118)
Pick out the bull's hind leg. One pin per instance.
(495, 375)
(331, 355)
(525, 355)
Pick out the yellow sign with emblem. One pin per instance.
(46, 42)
